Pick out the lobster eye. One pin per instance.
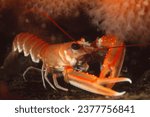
(75, 46)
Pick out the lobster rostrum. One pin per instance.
(63, 57)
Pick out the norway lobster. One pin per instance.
(63, 58)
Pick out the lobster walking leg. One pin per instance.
(42, 73)
(28, 69)
(56, 83)
(46, 78)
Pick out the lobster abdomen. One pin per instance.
(29, 44)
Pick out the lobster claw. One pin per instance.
(92, 83)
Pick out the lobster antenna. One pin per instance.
(126, 46)
(131, 45)
(52, 20)
(67, 34)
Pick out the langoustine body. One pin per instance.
(63, 58)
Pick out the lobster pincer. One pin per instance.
(92, 83)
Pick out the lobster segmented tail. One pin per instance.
(29, 44)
